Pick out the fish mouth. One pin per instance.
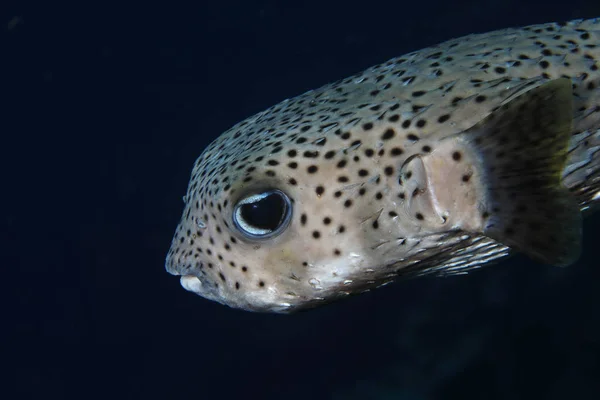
(191, 283)
(170, 265)
(201, 287)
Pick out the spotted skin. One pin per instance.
(389, 175)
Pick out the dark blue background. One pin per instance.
(107, 107)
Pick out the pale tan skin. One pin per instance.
(378, 190)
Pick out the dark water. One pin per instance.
(108, 105)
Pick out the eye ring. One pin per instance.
(263, 215)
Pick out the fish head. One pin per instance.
(274, 232)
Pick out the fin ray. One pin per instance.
(523, 148)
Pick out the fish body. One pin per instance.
(436, 162)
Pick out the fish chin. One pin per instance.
(281, 298)
(268, 301)
(193, 284)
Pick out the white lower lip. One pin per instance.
(191, 283)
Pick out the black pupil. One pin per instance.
(266, 213)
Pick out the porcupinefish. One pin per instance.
(434, 163)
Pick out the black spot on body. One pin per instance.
(443, 118)
(388, 134)
(396, 151)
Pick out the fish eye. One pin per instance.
(263, 215)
